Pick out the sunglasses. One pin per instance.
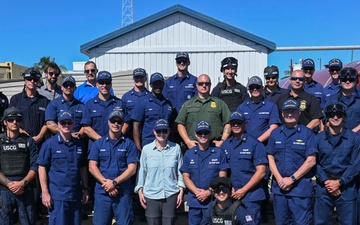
(252, 87)
(12, 119)
(179, 61)
(161, 131)
(222, 189)
(32, 79)
(236, 123)
(66, 123)
(52, 74)
(268, 78)
(113, 121)
(88, 71)
(203, 132)
(333, 114)
(348, 79)
(297, 78)
(68, 84)
(102, 82)
(203, 83)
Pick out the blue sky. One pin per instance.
(32, 29)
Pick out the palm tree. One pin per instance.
(44, 61)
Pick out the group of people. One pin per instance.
(221, 147)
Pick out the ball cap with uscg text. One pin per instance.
(182, 55)
(236, 116)
(69, 79)
(161, 124)
(255, 80)
(220, 182)
(308, 63)
(290, 104)
(116, 113)
(203, 125)
(139, 72)
(156, 77)
(65, 115)
(335, 63)
(12, 112)
(103, 75)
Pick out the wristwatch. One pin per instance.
(26, 183)
(115, 183)
(293, 178)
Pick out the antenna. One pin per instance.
(127, 13)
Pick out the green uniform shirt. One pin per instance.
(212, 109)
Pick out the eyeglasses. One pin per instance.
(252, 87)
(52, 74)
(66, 123)
(68, 84)
(268, 78)
(114, 120)
(333, 114)
(102, 82)
(297, 78)
(203, 83)
(236, 123)
(348, 72)
(161, 131)
(179, 61)
(351, 80)
(222, 189)
(91, 70)
(14, 119)
(203, 132)
(32, 79)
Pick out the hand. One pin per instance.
(179, 198)
(85, 197)
(218, 143)
(16, 187)
(239, 194)
(202, 194)
(108, 185)
(46, 199)
(142, 198)
(113, 193)
(37, 139)
(332, 185)
(336, 193)
(24, 132)
(191, 143)
(76, 135)
(285, 183)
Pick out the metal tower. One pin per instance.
(127, 13)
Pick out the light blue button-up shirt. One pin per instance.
(159, 173)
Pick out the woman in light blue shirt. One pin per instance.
(159, 181)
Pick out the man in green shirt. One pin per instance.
(204, 107)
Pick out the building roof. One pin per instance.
(85, 48)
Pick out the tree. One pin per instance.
(44, 61)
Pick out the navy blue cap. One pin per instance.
(103, 75)
(155, 77)
(182, 55)
(139, 72)
(65, 115)
(161, 124)
(116, 113)
(335, 63)
(69, 79)
(237, 116)
(255, 80)
(290, 104)
(220, 182)
(12, 112)
(32, 72)
(308, 63)
(203, 125)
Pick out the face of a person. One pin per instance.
(68, 88)
(222, 194)
(13, 123)
(230, 72)
(65, 126)
(237, 126)
(115, 124)
(334, 72)
(104, 86)
(203, 136)
(162, 134)
(31, 83)
(157, 87)
(182, 64)
(297, 80)
(290, 115)
(139, 81)
(308, 71)
(348, 83)
(90, 72)
(52, 75)
(203, 84)
(255, 90)
(335, 118)
(271, 81)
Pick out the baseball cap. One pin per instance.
(255, 80)
(308, 63)
(155, 77)
(32, 72)
(69, 79)
(116, 113)
(220, 182)
(290, 104)
(182, 55)
(237, 116)
(65, 115)
(139, 72)
(271, 71)
(103, 75)
(12, 112)
(335, 63)
(203, 125)
(161, 124)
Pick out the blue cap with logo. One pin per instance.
(308, 63)
(237, 116)
(69, 79)
(139, 72)
(255, 80)
(103, 75)
(335, 63)
(161, 124)
(116, 113)
(203, 125)
(156, 77)
(182, 55)
(290, 104)
(65, 115)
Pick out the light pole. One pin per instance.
(320, 63)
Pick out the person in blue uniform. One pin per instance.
(225, 210)
(65, 102)
(18, 169)
(150, 109)
(292, 154)
(311, 86)
(134, 96)
(181, 86)
(98, 109)
(349, 96)
(272, 91)
(246, 157)
(201, 164)
(31, 103)
(230, 91)
(112, 161)
(335, 65)
(63, 174)
(261, 113)
(337, 168)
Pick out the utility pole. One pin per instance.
(127, 13)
